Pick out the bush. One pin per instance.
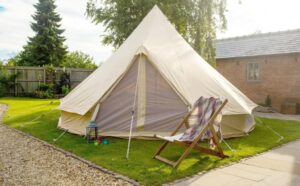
(7, 82)
(45, 87)
(65, 90)
(44, 91)
(63, 87)
(52, 89)
(2, 90)
(43, 94)
(268, 101)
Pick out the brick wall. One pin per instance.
(279, 78)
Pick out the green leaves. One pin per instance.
(79, 59)
(7, 81)
(196, 20)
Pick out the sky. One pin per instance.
(244, 17)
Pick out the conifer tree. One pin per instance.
(46, 47)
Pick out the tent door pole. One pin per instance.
(133, 109)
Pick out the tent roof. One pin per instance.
(176, 60)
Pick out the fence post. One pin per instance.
(44, 75)
(16, 81)
(71, 81)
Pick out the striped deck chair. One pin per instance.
(208, 120)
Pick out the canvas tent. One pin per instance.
(155, 76)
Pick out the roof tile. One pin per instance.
(259, 44)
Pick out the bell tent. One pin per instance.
(153, 78)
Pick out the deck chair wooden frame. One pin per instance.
(194, 144)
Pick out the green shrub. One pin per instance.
(44, 91)
(43, 94)
(65, 89)
(2, 90)
(268, 101)
(7, 82)
(45, 87)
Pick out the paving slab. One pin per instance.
(278, 167)
(215, 178)
(273, 164)
(282, 179)
(281, 155)
(245, 174)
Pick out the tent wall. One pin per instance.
(115, 111)
(165, 109)
(237, 125)
(158, 108)
(74, 123)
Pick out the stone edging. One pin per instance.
(68, 154)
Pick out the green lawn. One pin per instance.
(39, 118)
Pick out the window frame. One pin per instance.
(250, 67)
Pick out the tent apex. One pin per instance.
(141, 50)
(156, 7)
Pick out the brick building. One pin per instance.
(264, 65)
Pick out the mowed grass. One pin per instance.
(39, 118)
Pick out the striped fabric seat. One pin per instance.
(205, 108)
(207, 112)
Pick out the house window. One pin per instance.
(253, 72)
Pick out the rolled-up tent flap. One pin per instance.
(74, 123)
(231, 126)
(237, 125)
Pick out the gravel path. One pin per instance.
(26, 161)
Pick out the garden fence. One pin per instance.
(29, 78)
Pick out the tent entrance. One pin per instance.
(158, 108)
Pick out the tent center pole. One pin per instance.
(133, 109)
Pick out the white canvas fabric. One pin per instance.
(180, 67)
(171, 138)
(158, 107)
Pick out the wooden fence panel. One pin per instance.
(29, 78)
(78, 76)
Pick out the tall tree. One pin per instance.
(196, 20)
(79, 59)
(47, 45)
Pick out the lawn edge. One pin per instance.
(67, 153)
